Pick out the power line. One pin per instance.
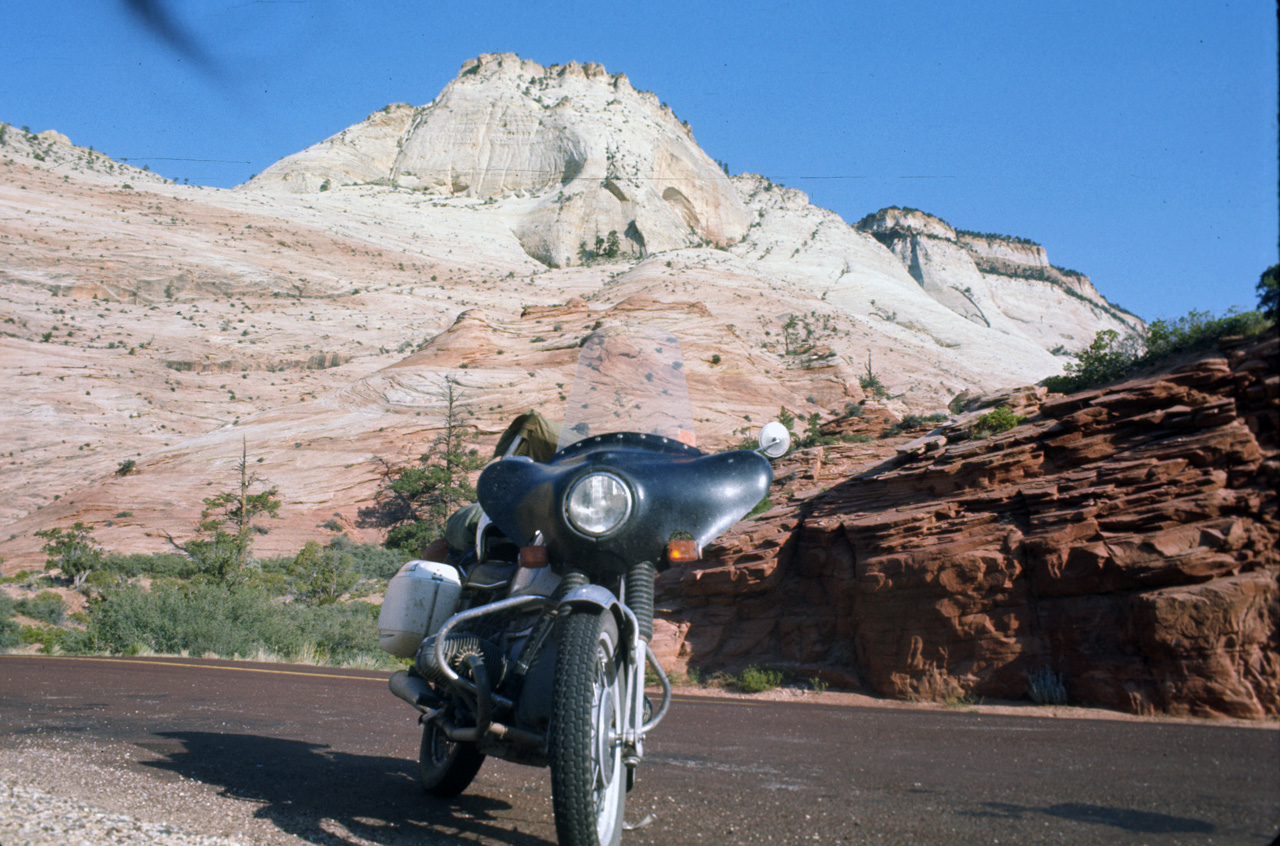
(170, 159)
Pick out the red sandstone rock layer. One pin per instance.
(1122, 538)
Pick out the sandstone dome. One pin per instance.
(596, 159)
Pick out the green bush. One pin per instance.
(758, 679)
(1107, 359)
(321, 576)
(72, 551)
(231, 621)
(1196, 331)
(997, 420)
(47, 607)
(171, 565)
(1110, 358)
(53, 639)
(8, 628)
(9, 636)
(1268, 289)
(760, 507)
(370, 559)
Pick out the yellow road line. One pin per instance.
(675, 697)
(151, 663)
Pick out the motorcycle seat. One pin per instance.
(490, 575)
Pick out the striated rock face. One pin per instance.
(593, 155)
(999, 282)
(362, 154)
(1124, 539)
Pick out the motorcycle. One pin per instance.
(538, 653)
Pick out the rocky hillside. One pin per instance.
(311, 315)
(1121, 541)
(995, 280)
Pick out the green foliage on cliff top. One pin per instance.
(1110, 357)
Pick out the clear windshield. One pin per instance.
(629, 379)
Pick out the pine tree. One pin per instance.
(226, 523)
(419, 498)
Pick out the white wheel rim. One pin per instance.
(606, 741)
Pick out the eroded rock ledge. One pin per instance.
(1123, 538)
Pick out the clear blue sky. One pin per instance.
(1136, 141)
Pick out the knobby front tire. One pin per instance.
(588, 778)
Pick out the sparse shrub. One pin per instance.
(126, 467)
(959, 699)
(871, 384)
(813, 433)
(1045, 687)
(913, 421)
(1197, 330)
(415, 500)
(48, 637)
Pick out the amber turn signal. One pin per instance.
(683, 550)
(533, 557)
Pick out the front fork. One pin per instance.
(639, 723)
(638, 608)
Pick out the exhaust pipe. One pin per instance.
(414, 690)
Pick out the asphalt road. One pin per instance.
(327, 756)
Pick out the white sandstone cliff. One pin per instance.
(594, 157)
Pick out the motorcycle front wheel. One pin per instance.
(445, 767)
(588, 713)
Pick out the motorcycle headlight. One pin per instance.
(598, 503)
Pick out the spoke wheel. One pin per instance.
(446, 768)
(588, 778)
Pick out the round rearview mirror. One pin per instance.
(774, 440)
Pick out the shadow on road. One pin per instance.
(1139, 822)
(306, 789)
